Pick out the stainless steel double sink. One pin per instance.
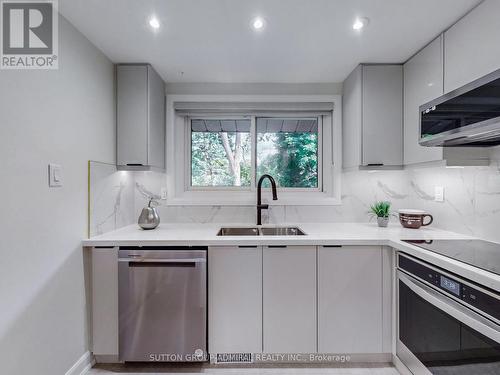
(261, 231)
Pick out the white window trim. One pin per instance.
(178, 162)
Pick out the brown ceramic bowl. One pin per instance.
(414, 219)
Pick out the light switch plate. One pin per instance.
(163, 193)
(55, 175)
(439, 193)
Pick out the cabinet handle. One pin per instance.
(332, 246)
(247, 247)
(277, 246)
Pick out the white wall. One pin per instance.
(67, 117)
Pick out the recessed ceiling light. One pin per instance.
(258, 23)
(154, 23)
(359, 23)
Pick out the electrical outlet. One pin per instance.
(439, 194)
(163, 193)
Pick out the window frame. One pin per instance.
(178, 163)
(253, 151)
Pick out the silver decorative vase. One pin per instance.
(149, 218)
(382, 221)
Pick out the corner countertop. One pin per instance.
(198, 234)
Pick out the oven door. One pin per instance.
(438, 335)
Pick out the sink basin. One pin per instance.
(281, 231)
(238, 232)
(265, 231)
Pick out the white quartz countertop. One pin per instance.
(316, 234)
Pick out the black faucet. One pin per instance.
(261, 206)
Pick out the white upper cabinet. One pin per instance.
(472, 48)
(423, 81)
(140, 116)
(373, 117)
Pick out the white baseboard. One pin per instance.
(83, 365)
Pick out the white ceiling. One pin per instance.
(303, 41)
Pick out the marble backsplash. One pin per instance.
(472, 198)
(111, 198)
(117, 197)
(471, 205)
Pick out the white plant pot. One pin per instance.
(382, 221)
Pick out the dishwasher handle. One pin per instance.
(159, 260)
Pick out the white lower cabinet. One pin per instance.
(104, 283)
(289, 295)
(235, 299)
(350, 299)
(294, 299)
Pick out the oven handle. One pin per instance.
(450, 307)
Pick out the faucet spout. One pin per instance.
(261, 206)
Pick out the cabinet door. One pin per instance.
(471, 46)
(350, 299)
(382, 115)
(351, 120)
(156, 132)
(289, 284)
(105, 301)
(235, 300)
(132, 114)
(423, 81)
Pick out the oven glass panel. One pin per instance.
(474, 106)
(442, 343)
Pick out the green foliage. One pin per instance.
(381, 209)
(291, 158)
(293, 161)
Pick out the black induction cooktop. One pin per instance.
(478, 253)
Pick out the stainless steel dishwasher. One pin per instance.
(162, 304)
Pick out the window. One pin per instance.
(287, 149)
(218, 146)
(233, 152)
(220, 153)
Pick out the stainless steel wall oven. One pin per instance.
(445, 324)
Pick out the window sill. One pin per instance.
(248, 198)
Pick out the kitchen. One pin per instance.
(230, 187)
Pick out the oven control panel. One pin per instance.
(477, 297)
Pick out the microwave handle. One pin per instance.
(452, 308)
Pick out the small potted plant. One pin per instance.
(382, 211)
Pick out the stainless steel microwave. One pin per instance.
(468, 116)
